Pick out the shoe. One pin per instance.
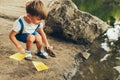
(42, 54)
(29, 55)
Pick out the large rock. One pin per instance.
(66, 21)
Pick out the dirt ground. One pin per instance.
(24, 70)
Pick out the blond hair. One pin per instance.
(36, 8)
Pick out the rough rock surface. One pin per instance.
(66, 21)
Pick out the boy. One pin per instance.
(28, 29)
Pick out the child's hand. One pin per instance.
(21, 49)
(49, 50)
(49, 47)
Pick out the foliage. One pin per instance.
(107, 10)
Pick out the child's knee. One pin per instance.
(31, 38)
(38, 38)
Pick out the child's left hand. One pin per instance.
(49, 50)
(49, 47)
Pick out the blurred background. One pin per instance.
(107, 10)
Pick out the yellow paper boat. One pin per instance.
(18, 56)
(39, 65)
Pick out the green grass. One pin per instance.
(107, 10)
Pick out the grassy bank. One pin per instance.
(107, 10)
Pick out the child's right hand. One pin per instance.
(21, 49)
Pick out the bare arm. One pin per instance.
(15, 41)
(13, 38)
(44, 38)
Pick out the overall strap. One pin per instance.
(37, 27)
(22, 26)
(35, 32)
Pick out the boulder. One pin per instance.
(66, 21)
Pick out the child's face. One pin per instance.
(34, 19)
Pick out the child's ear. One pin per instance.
(28, 15)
